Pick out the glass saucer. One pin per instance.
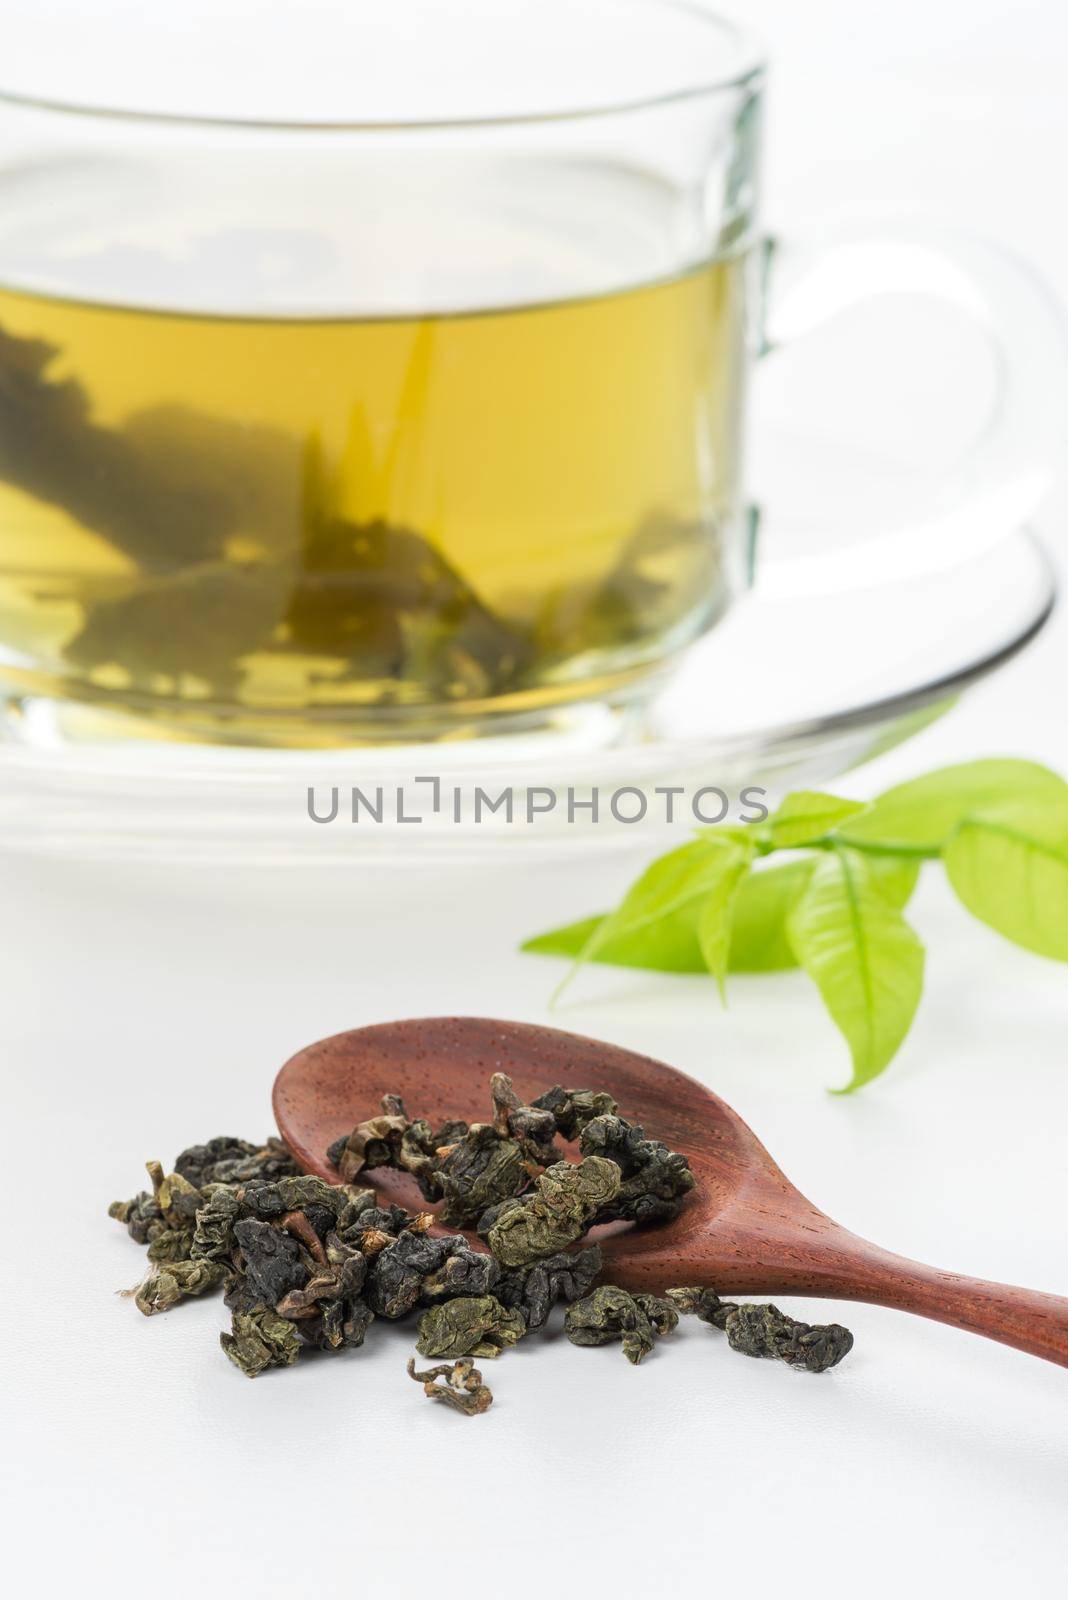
(783, 693)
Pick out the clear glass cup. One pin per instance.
(378, 372)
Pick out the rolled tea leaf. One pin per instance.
(765, 1331)
(469, 1326)
(178, 1280)
(564, 1201)
(260, 1338)
(768, 1333)
(415, 1269)
(482, 1169)
(610, 1314)
(654, 1180)
(537, 1287)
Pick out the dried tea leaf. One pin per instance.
(564, 1201)
(533, 1126)
(142, 1217)
(269, 1199)
(374, 1143)
(174, 1244)
(469, 1326)
(655, 1179)
(463, 1272)
(759, 1330)
(704, 1304)
(416, 1268)
(480, 1171)
(767, 1332)
(610, 1314)
(409, 1145)
(361, 1214)
(463, 1389)
(272, 1258)
(573, 1108)
(213, 1236)
(176, 1197)
(536, 1288)
(228, 1160)
(178, 1280)
(259, 1339)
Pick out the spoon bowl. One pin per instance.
(744, 1228)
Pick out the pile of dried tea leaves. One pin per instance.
(305, 1264)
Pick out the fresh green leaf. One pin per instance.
(1009, 866)
(742, 833)
(671, 944)
(678, 879)
(1001, 825)
(895, 877)
(921, 815)
(863, 957)
(758, 940)
(806, 815)
(668, 945)
(716, 905)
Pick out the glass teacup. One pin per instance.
(386, 381)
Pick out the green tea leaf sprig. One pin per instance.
(835, 906)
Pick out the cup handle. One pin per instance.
(1005, 472)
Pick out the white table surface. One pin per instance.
(142, 1010)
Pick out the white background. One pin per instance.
(142, 1010)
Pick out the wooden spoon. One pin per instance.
(744, 1229)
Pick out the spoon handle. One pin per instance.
(802, 1252)
(1024, 1318)
(827, 1260)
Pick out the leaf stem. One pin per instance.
(870, 847)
